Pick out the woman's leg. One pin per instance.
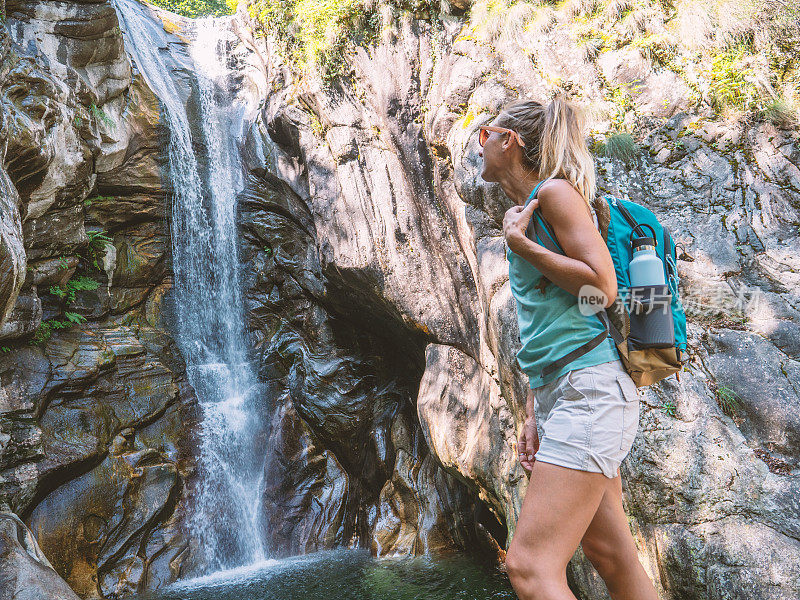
(559, 505)
(609, 546)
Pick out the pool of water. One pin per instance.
(347, 574)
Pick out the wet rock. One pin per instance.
(12, 252)
(46, 158)
(306, 490)
(95, 526)
(409, 518)
(335, 473)
(96, 422)
(25, 573)
(80, 41)
(24, 317)
(129, 172)
(101, 381)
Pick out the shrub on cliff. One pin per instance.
(198, 8)
(319, 33)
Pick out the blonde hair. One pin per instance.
(554, 141)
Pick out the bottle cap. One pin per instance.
(643, 241)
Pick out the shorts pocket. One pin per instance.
(570, 390)
(630, 410)
(574, 383)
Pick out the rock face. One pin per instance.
(378, 304)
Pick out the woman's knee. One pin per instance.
(518, 564)
(606, 558)
(525, 566)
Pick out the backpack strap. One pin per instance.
(608, 329)
(544, 232)
(538, 228)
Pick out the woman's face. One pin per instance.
(496, 154)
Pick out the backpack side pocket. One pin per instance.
(651, 323)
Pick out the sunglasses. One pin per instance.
(486, 129)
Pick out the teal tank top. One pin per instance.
(551, 324)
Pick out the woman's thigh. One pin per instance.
(608, 540)
(559, 504)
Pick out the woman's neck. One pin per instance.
(518, 183)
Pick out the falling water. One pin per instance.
(209, 309)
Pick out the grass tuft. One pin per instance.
(620, 145)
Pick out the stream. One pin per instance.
(347, 574)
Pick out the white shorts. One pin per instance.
(587, 419)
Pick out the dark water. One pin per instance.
(347, 574)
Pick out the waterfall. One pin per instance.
(225, 520)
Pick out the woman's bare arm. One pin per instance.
(587, 260)
(529, 404)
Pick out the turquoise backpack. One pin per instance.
(651, 340)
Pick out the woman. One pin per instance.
(581, 418)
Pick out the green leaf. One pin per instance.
(57, 290)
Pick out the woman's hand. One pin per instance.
(515, 222)
(528, 444)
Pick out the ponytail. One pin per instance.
(554, 141)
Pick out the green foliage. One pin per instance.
(74, 317)
(98, 241)
(67, 293)
(5, 349)
(198, 8)
(45, 330)
(101, 115)
(731, 81)
(659, 49)
(76, 284)
(321, 33)
(727, 400)
(780, 112)
(317, 31)
(42, 334)
(620, 145)
(620, 96)
(617, 9)
(668, 407)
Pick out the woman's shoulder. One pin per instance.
(556, 187)
(559, 195)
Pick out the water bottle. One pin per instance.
(651, 323)
(646, 268)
